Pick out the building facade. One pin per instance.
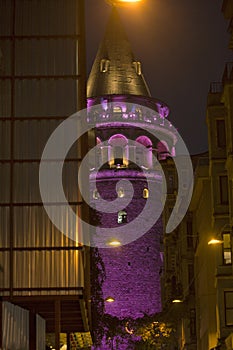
(42, 82)
(206, 278)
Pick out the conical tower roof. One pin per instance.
(115, 70)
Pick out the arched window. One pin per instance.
(122, 217)
(95, 194)
(120, 192)
(138, 67)
(163, 150)
(98, 140)
(104, 65)
(144, 151)
(117, 109)
(118, 150)
(145, 193)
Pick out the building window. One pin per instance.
(189, 234)
(170, 182)
(191, 278)
(193, 330)
(228, 296)
(95, 194)
(118, 156)
(184, 179)
(138, 67)
(117, 109)
(122, 217)
(223, 184)
(104, 65)
(227, 254)
(221, 133)
(145, 193)
(120, 192)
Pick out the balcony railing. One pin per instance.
(216, 88)
(228, 73)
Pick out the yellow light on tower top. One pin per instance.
(129, 0)
(122, 2)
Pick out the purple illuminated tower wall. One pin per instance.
(117, 86)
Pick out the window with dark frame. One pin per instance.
(104, 65)
(189, 228)
(191, 278)
(226, 247)
(145, 193)
(221, 133)
(95, 194)
(122, 217)
(228, 302)
(193, 331)
(223, 184)
(170, 182)
(120, 192)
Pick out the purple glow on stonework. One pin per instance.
(104, 104)
(122, 110)
(118, 140)
(132, 270)
(144, 140)
(133, 278)
(163, 110)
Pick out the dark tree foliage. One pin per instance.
(97, 302)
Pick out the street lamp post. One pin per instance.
(218, 239)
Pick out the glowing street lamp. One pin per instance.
(218, 239)
(114, 243)
(214, 241)
(110, 300)
(176, 301)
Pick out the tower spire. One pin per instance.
(115, 69)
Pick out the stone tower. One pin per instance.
(125, 123)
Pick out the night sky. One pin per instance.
(183, 46)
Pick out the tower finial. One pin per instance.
(115, 69)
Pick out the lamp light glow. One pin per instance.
(114, 243)
(110, 299)
(129, 0)
(122, 2)
(215, 241)
(177, 301)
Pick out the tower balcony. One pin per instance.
(130, 111)
(127, 108)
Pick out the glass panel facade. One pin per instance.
(5, 93)
(50, 18)
(47, 270)
(40, 84)
(46, 57)
(48, 97)
(5, 57)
